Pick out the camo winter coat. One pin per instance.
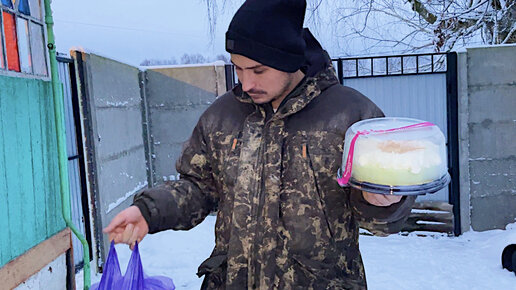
(283, 222)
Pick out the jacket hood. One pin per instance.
(316, 58)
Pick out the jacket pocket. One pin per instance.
(312, 274)
(321, 202)
(231, 160)
(301, 209)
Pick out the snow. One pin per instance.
(128, 194)
(215, 63)
(416, 210)
(100, 53)
(470, 261)
(117, 104)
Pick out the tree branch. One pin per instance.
(506, 39)
(418, 7)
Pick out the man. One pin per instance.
(266, 156)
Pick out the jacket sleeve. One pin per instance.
(184, 203)
(380, 220)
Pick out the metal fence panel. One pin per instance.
(114, 144)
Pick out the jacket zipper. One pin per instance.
(259, 206)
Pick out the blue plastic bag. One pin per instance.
(134, 278)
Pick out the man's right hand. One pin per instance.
(127, 227)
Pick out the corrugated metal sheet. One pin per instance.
(73, 163)
(414, 96)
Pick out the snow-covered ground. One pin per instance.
(471, 261)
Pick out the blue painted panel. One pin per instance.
(14, 169)
(30, 207)
(38, 173)
(5, 245)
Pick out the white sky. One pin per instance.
(132, 31)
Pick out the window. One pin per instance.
(2, 60)
(22, 37)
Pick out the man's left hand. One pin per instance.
(380, 199)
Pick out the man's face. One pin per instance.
(263, 84)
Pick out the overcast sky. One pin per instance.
(132, 31)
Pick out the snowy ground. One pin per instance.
(471, 261)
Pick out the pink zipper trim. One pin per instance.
(349, 161)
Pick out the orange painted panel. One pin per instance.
(11, 42)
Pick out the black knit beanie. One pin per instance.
(269, 32)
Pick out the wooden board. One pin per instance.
(22, 268)
(430, 216)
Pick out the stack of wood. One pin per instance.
(430, 216)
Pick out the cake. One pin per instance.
(397, 162)
(394, 152)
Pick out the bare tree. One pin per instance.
(193, 58)
(151, 62)
(437, 24)
(223, 57)
(410, 25)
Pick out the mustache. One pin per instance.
(256, 92)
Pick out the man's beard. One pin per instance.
(286, 88)
(283, 92)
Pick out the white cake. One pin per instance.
(397, 162)
(395, 152)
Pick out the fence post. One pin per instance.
(453, 136)
(340, 71)
(230, 76)
(146, 129)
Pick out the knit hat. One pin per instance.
(509, 258)
(269, 32)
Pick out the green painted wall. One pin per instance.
(30, 205)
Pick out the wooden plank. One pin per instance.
(13, 170)
(430, 216)
(45, 164)
(433, 217)
(24, 92)
(433, 205)
(32, 261)
(70, 270)
(38, 173)
(411, 225)
(51, 165)
(5, 244)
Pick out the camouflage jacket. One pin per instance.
(283, 222)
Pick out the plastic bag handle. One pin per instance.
(343, 180)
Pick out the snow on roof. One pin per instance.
(215, 63)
